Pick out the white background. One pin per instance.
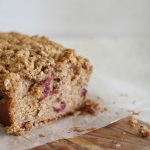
(76, 17)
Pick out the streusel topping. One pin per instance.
(34, 57)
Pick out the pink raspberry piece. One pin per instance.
(46, 83)
(45, 92)
(61, 108)
(83, 93)
(24, 122)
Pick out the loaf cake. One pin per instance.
(40, 80)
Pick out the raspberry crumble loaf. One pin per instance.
(40, 80)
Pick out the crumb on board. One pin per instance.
(41, 135)
(124, 133)
(133, 122)
(144, 131)
(118, 145)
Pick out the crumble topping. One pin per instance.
(34, 56)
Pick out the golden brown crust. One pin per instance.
(6, 117)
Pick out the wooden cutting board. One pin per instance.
(119, 135)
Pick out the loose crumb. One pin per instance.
(105, 108)
(133, 102)
(99, 98)
(26, 136)
(90, 106)
(133, 122)
(133, 112)
(41, 135)
(144, 131)
(136, 113)
(77, 129)
(96, 106)
(118, 145)
(124, 133)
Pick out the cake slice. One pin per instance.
(40, 80)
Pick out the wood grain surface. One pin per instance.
(119, 135)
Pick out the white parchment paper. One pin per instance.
(117, 96)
